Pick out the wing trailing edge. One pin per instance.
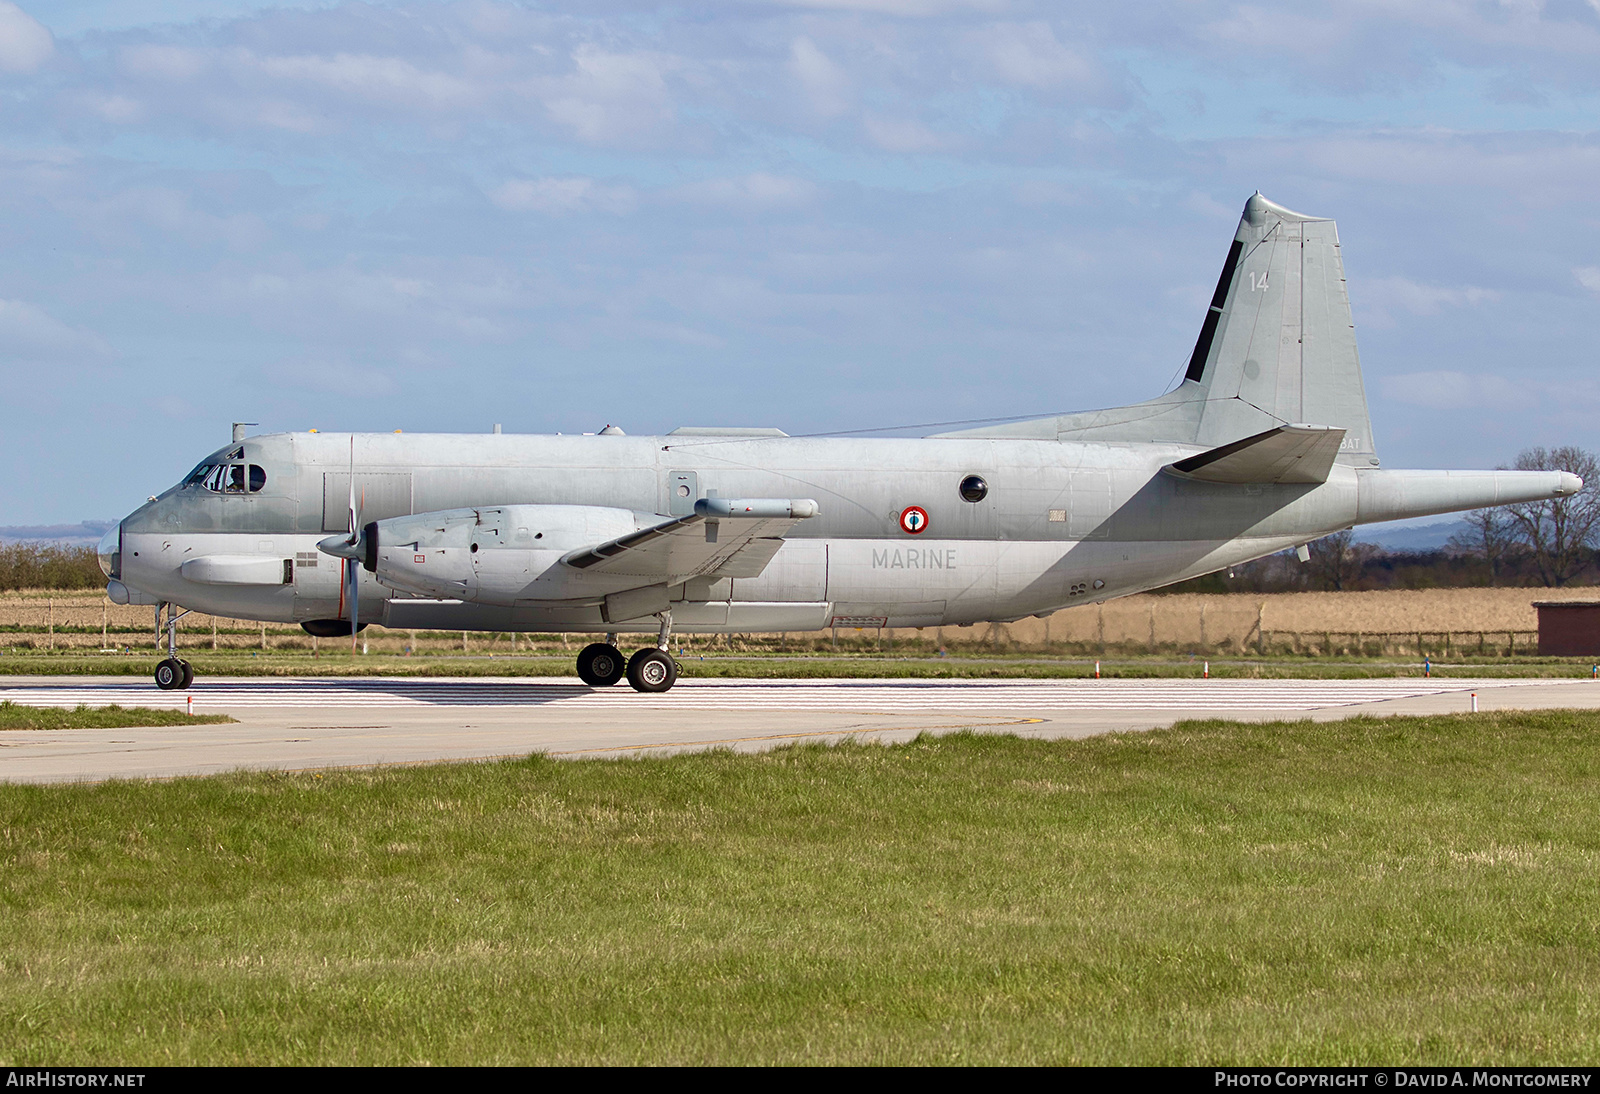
(723, 537)
(1285, 454)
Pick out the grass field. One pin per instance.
(14, 716)
(1368, 891)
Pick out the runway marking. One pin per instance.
(878, 696)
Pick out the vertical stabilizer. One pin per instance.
(1277, 348)
(1278, 344)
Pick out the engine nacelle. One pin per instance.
(493, 555)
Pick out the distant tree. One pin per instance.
(48, 566)
(1560, 533)
(1493, 535)
(1336, 561)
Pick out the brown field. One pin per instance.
(1491, 621)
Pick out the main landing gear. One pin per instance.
(651, 669)
(173, 673)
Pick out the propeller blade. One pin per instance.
(355, 593)
(351, 525)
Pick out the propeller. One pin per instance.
(350, 548)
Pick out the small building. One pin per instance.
(1569, 628)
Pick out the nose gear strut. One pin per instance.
(172, 673)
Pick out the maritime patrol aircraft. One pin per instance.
(1264, 446)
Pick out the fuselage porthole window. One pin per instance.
(973, 488)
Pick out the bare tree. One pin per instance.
(1492, 535)
(1560, 533)
(1336, 561)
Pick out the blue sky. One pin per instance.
(819, 216)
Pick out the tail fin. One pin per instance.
(1278, 344)
(1277, 348)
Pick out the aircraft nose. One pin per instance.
(1569, 484)
(110, 545)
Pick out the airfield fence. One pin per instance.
(1437, 622)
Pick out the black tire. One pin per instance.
(188, 674)
(600, 665)
(169, 674)
(652, 670)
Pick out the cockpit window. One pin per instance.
(228, 478)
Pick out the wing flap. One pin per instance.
(1286, 454)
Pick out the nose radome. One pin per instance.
(110, 544)
(1570, 483)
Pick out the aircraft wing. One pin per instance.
(1287, 454)
(723, 537)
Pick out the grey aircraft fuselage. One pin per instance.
(1062, 523)
(1265, 445)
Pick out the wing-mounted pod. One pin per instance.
(515, 553)
(488, 554)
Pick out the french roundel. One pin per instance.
(914, 520)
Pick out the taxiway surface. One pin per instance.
(296, 724)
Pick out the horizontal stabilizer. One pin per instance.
(1287, 454)
(722, 538)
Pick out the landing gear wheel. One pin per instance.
(188, 674)
(600, 665)
(169, 674)
(652, 670)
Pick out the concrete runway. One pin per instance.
(298, 724)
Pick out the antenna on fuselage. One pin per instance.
(239, 428)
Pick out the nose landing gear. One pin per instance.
(172, 673)
(651, 669)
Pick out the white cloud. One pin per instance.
(1030, 55)
(912, 8)
(336, 376)
(346, 302)
(119, 109)
(389, 80)
(159, 62)
(610, 95)
(753, 191)
(171, 211)
(825, 83)
(1420, 298)
(1588, 276)
(903, 135)
(559, 196)
(29, 333)
(1445, 389)
(25, 45)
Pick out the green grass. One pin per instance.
(1370, 891)
(16, 716)
(803, 666)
